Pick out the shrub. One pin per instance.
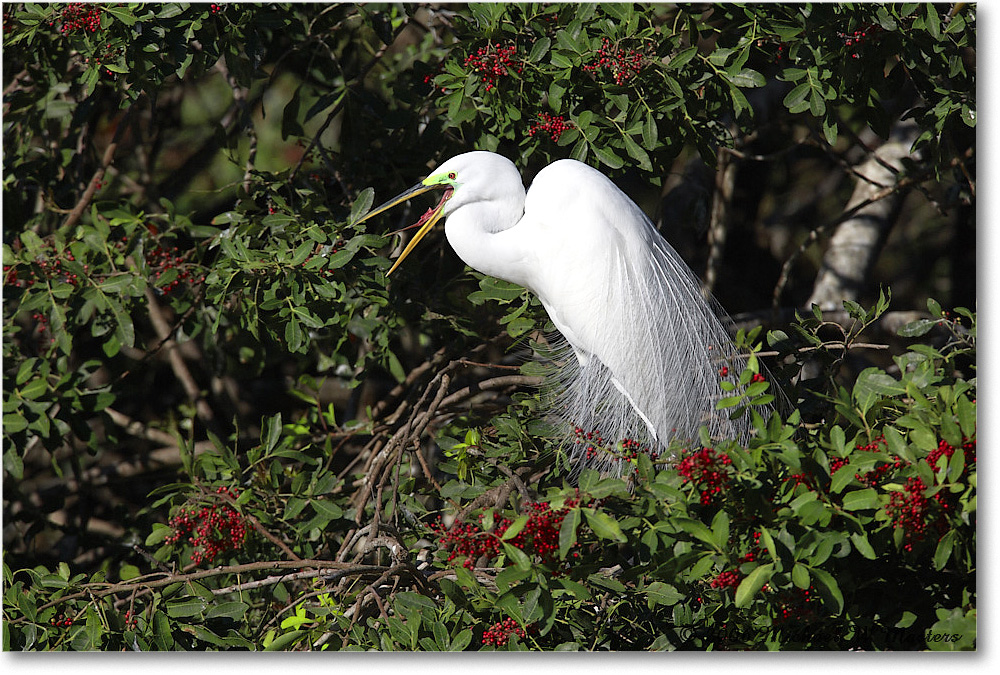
(224, 429)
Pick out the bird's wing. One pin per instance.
(624, 298)
(582, 229)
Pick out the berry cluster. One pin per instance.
(910, 511)
(80, 16)
(706, 469)
(159, 260)
(499, 633)
(211, 530)
(43, 325)
(798, 604)
(429, 77)
(915, 513)
(629, 449)
(9, 22)
(727, 580)
(130, 619)
(800, 479)
(945, 449)
(47, 269)
(754, 553)
(493, 63)
(624, 64)
(539, 536)
(878, 474)
(468, 540)
(857, 38)
(61, 621)
(555, 125)
(54, 267)
(106, 55)
(216, 8)
(871, 478)
(780, 52)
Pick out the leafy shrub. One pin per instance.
(223, 429)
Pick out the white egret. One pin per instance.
(650, 351)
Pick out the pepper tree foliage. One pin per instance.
(223, 428)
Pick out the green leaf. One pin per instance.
(797, 96)
(636, 152)
(519, 557)
(943, 551)
(649, 131)
(327, 509)
(748, 77)
(873, 384)
(753, 582)
(863, 546)
(933, 22)
(33, 389)
(829, 589)
(539, 49)
(696, 529)
(768, 540)
(720, 528)
(232, 610)
(13, 423)
(966, 410)
(604, 526)
(515, 528)
(916, 328)
(660, 593)
(123, 14)
(607, 157)
(954, 630)
(294, 336)
(128, 572)
(859, 500)
(461, 641)
(271, 432)
(830, 130)
(286, 640)
(682, 57)
(800, 575)
(567, 532)
(362, 205)
(186, 608)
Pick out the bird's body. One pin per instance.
(649, 350)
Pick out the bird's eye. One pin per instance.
(451, 176)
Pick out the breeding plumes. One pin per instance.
(648, 352)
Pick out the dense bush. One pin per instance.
(223, 428)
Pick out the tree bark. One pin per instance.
(856, 243)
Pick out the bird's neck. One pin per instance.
(485, 236)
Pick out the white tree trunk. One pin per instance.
(855, 245)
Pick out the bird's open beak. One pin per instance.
(426, 221)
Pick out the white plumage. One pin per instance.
(650, 351)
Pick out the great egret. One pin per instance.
(650, 351)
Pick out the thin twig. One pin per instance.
(159, 579)
(95, 180)
(493, 383)
(177, 364)
(814, 235)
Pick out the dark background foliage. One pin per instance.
(204, 362)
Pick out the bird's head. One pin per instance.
(470, 177)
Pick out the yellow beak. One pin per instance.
(427, 221)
